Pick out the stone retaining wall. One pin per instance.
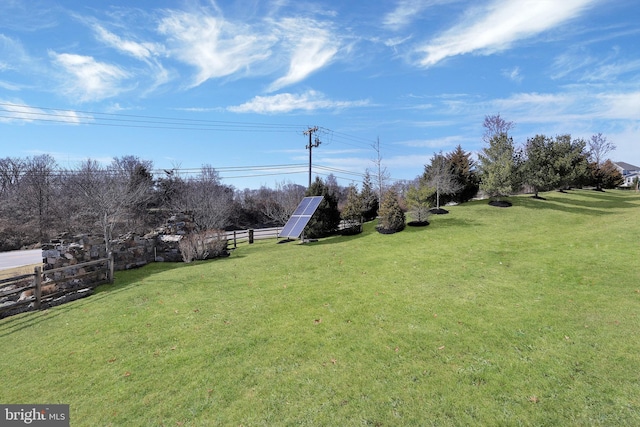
(129, 251)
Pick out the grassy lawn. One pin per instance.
(521, 316)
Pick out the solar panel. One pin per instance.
(300, 217)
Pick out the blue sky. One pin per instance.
(234, 84)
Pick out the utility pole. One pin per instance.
(309, 147)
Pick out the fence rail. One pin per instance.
(240, 236)
(41, 287)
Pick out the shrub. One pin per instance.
(203, 245)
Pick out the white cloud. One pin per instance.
(312, 46)
(22, 113)
(87, 79)
(607, 72)
(403, 14)
(440, 143)
(496, 27)
(513, 74)
(585, 66)
(146, 52)
(618, 106)
(142, 51)
(407, 11)
(627, 146)
(9, 86)
(570, 62)
(570, 107)
(12, 54)
(287, 102)
(214, 46)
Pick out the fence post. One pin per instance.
(111, 266)
(250, 236)
(38, 291)
(235, 242)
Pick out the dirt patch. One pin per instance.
(438, 211)
(418, 223)
(500, 203)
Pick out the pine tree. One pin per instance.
(464, 169)
(538, 169)
(369, 199)
(352, 211)
(391, 215)
(419, 200)
(498, 167)
(570, 161)
(327, 217)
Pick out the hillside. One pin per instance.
(526, 315)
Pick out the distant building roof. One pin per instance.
(627, 166)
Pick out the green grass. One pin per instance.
(488, 316)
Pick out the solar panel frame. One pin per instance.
(300, 217)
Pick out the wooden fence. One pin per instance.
(240, 236)
(44, 289)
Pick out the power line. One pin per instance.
(66, 116)
(27, 113)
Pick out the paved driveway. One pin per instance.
(19, 258)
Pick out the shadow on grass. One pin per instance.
(332, 240)
(123, 281)
(367, 228)
(12, 324)
(449, 220)
(590, 203)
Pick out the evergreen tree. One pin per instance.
(391, 215)
(369, 198)
(352, 211)
(538, 169)
(570, 161)
(419, 200)
(498, 167)
(463, 168)
(610, 176)
(327, 217)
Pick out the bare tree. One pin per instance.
(495, 126)
(140, 177)
(37, 191)
(381, 175)
(11, 170)
(439, 175)
(282, 201)
(12, 231)
(599, 147)
(106, 194)
(207, 199)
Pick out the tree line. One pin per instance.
(39, 200)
